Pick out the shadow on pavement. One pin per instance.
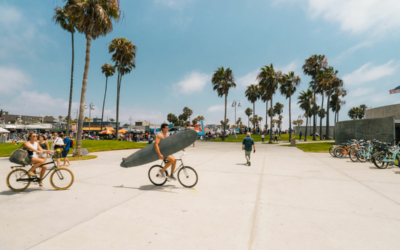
(9, 192)
(243, 164)
(151, 187)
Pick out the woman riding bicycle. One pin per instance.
(33, 148)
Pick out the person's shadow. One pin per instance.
(150, 187)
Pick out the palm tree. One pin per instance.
(194, 121)
(238, 121)
(335, 84)
(248, 112)
(313, 66)
(306, 101)
(288, 86)
(278, 109)
(253, 94)
(188, 112)
(94, 19)
(222, 80)
(321, 114)
(268, 80)
(325, 78)
(124, 58)
(61, 17)
(111, 119)
(260, 120)
(107, 70)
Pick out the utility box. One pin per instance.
(293, 142)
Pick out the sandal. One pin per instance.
(31, 174)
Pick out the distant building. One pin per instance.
(142, 123)
(7, 118)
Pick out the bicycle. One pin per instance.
(18, 179)
(187, 176)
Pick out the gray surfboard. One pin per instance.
(168, 146)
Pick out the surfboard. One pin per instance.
(168, 146)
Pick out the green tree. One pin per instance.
(188, 112)
(125, 125)
(253, 94)
(306, 101)
(223, 80)
(111, 119)
(313, 66)
(278, 109)
(94, 19)
(195, 121)
(61, 17)
(107, 70)
(171, 118)
(200, 118)
(288, 86)
(268, 80)
(248, 112)
(124, 54)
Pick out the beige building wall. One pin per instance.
(384, 111)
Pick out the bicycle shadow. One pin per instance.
(150, 187)
(29, 190)
(242, 164)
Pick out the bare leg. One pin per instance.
(42, 174)
(171, 161)
(58, 162)
(37, 162)
(66, 160)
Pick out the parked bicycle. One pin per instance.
(19, 180)
(187, 176)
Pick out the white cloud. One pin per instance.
(248, 79)
(216, 108)
(9, 15)
(192, 83)
(356, 16)
(174, 4)
(351, 50)
(293, 66)
(369, 73)
(39, 104)
(12, 79)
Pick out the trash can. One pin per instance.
(150, 140)
(293, 142)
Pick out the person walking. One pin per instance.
(247, 144)
(45, 146)
(276, 137)
(300, 134)
(64, 154)
(57, 146)
(262, 137)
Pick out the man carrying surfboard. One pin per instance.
(170, 159)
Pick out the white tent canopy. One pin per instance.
(2, 130)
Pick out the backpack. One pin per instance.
(71, 143)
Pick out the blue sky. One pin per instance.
(182, 42)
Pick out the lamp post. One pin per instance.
(91, 107)
(234, 104)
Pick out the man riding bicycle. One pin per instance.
(169, 160)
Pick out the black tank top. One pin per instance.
(43, 146)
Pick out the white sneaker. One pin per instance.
(162, 175)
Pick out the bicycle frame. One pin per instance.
(177, 168)
(36, 178)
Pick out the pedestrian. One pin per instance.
(300, 134)
(262, 137)
(45, 146)
(276, 137)
(58, 147)
(67, 143)
(247, 144)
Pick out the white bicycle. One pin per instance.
(187, 176)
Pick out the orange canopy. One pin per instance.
(122, 131)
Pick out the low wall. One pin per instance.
(297, 130)
(382, 129)
(384, 111)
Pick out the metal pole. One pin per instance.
(90, 111)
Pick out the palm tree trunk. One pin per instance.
(314, 120)
(305, 135)
(320, 119)
(327, 116)
(83, 95)
(254, 112)
(290, 118)
(71, 87)
(270, 125)
(118, 91)
(226, 99)
(104, 101)
(266, 114)
(334, 132)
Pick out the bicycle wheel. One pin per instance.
(338, 152)
(353, 155)
(361, 155)
(61, 178)
(332, 150)
(187, 176)
(155, 177)
(18, 180)
(378, 161)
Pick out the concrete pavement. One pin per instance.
(287, 199)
